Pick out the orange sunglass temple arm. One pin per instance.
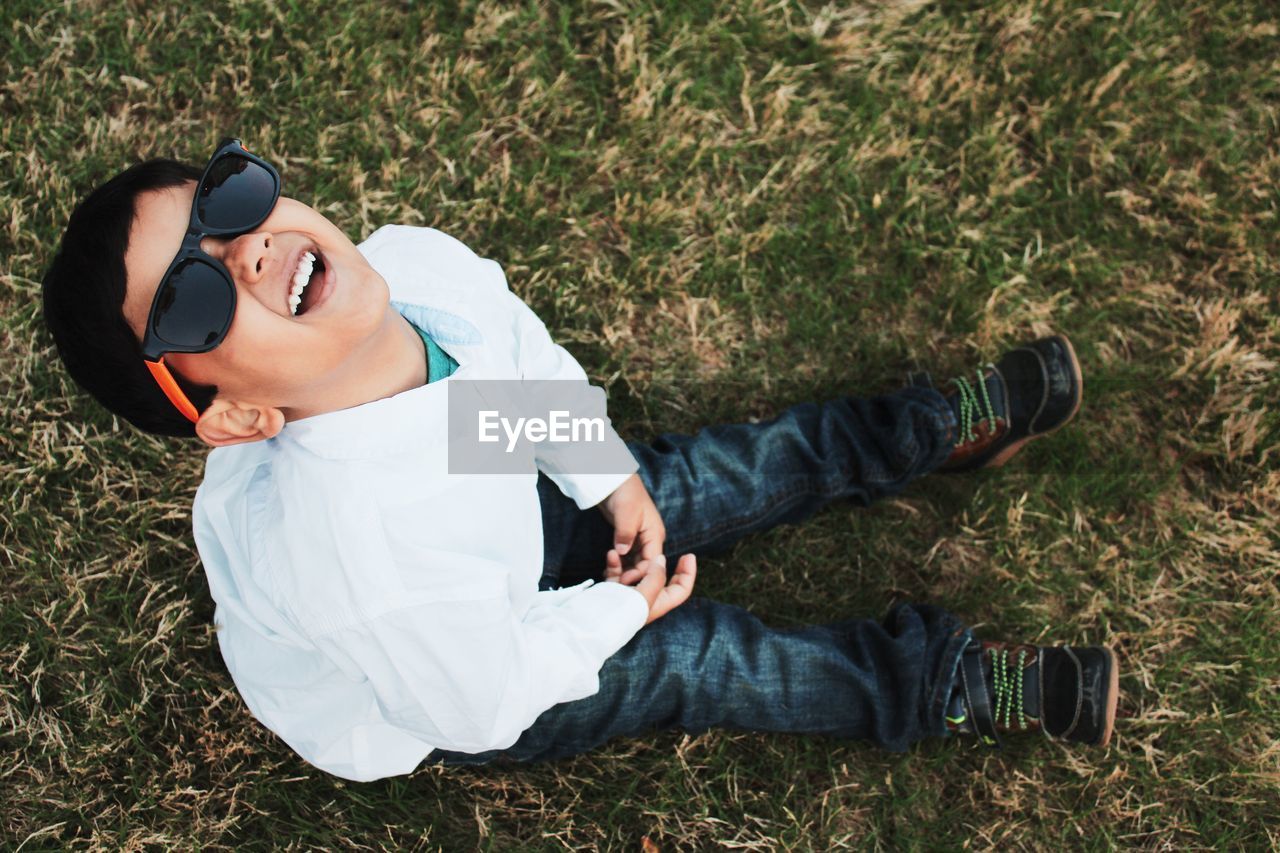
(171, 389)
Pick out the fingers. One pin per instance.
(613, 566)
(649, 577)
(677, 591)
(651, 544)
(680, 587)
(616, 571)
(624, 533)
(651, 584)
(686, 571)
(631, 576)
(640, 569)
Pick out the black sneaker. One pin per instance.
(1030, 392)
(1068, 693)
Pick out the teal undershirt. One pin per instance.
(439, 363)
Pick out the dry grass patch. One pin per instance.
(720, 207)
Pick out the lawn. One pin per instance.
(720, 208)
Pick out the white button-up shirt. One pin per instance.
(371, 607)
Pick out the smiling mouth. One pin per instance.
(305, 285)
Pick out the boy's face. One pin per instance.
(269, 356)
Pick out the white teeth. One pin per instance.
(301, 276)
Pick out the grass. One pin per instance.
(721, 207)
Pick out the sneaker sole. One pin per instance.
(1113, 698)
(1009, 452)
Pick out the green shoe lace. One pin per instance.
(970, 406)
(1007, 687)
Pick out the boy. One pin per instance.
(375, 608)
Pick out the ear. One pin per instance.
(227, 422)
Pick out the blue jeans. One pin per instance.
(709, 664)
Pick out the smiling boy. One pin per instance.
(343, 347)
(376, 608)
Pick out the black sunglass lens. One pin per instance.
(195, 306)
(237, 193)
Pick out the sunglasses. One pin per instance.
(196, 301)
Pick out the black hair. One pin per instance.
(84, 291)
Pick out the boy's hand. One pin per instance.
(638, 530)
(649, 577)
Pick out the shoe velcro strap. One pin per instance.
(1045, 383)
(976, 695)
(1062, 692)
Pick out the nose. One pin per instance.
(247, 257)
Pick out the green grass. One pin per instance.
(721, 208)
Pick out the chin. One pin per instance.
(370, 310)
(377, 294)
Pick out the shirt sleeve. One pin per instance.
(471, 676)
(587, 472)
